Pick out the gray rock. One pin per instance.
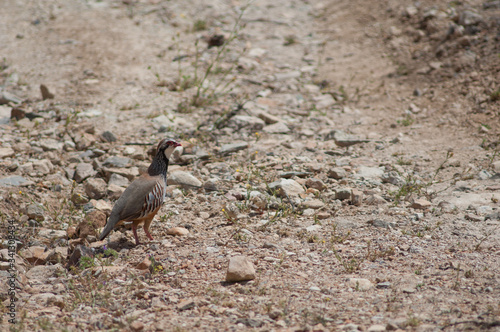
(287, 76)
(276, 128)
(116, 161)
(343, 193)
(245, 121)
(392, 178)
(211, 185)
(50, 144)
(344, 140)
(95, 188)
(52, 234)
(356, 197)
(43, 166)
(83, 171)
(492, 4)
(240, 269)
(337, 173)
(324, 101)
(7, 97)
(35, 211)
(14, 181)
(234, 147)
(385, 284)
(184, 179)
(108, 136)
(118, 180)
(421, 204)
(286, 187)
(375, 200)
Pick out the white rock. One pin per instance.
(240, 269)
(287, 187)
(359, 284)
(6, 152)
(184, 179)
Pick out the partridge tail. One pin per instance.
(112, 221)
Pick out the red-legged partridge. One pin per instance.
(142, 199)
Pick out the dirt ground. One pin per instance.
(363, 183)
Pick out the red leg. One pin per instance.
(146, 229)
(134, 229)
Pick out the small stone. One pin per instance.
(473, 217)
(324, 101)
(184, 179)
(286, 187)
(313, 204)
(145, 264)
(211, 185)
(177, 231)
(315, 183)
(375, 200)
(240, 269)
(36, 212)
(51, 234)
(376, 328)
(83, 171)
(108, 136)
(343, 193)
(137, 326)
(244, 121)
(116, 161)
(231, 148)
(344, 140)
(359, 284)
(268, 118)
(337, 173)
(7, 97)
(114, 192)
(43, 167)
(186, 304)
(231, 211)
(356, 197)
(287, 76)
(421, 204)
(35, 255)
(118, 180)
(384, 284)
(14, 181)
(95, 188)
(78, 252)
(276, 128)
(6, 153)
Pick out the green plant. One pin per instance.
(86, 262)
(199, 25)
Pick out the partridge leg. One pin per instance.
(146, 228)
(134, 229)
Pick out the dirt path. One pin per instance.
(382, 118)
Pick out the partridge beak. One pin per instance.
(177, 144)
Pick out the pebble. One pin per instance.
(343, 193)
(376, 328)
(359, 284)
(83, 171)
(144, 264)
(337, 173)
(312, 204)
(245, 121)
(108, 136)
(43, 272)
(344, 140)
(276, 128)
(117, 161)
(184, 179)
(421, 204)
(177, 231)
(6, 153)
(234, 147)
(95, 188)
(240, 269)
(315, 183)
(118, 180)
(286, 187)
(268, 118)
(50, 144)
(35, 255)
(36, 212)
(375, 200)
(356, 197)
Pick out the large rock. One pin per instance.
(35, 255)
(15, 181)
(43, 272)
(286, 187)
(240, 269)
(35, 211)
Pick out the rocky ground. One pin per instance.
(339, 167)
